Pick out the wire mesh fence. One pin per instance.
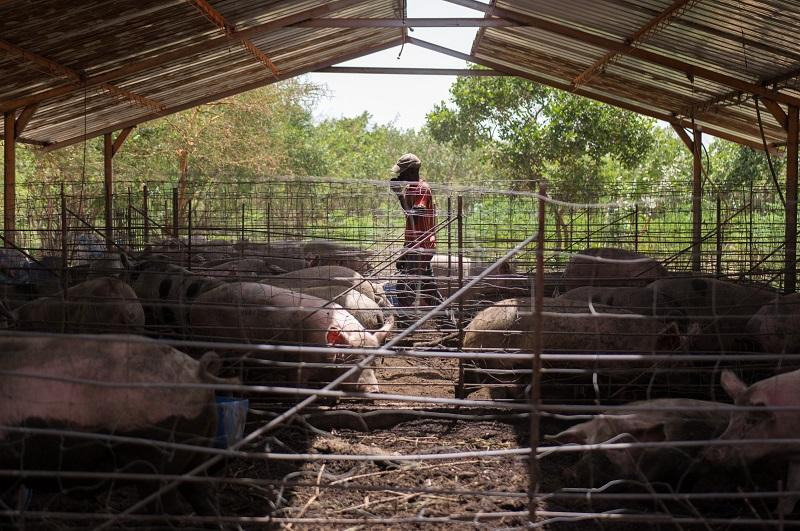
(277, 370)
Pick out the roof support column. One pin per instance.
(110, 148)
(697, 197)
(790, 231)
(9, 178)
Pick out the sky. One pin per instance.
(403, 100)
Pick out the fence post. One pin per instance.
(242, 222)
(189, 236)
(449, 244)
(64, 236)
(718, 265)
(636, 227)
(175, 213)
(269, 225)
(536, 365)
(146, 214)
(129, 220)
(460, 324)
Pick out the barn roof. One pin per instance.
(74, 69)
(87, 67)
(682, 61)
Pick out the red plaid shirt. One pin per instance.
(419, 226)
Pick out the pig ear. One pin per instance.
(210, 363)
(732, 384)
(335, 336)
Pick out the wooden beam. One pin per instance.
(790, 229)
(120, 139)
(230, 92)
(654, 25)
(58, 70)
(697, 198)
(776, 111)
(9, 179)
(406, 23)
(591, 94)
(174, 55)
(24, 118)
(684, 136)
(689, 69)
(464, 72)
(230, 32)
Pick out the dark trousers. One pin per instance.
(415, 266)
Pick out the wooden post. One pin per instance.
(536, 364)
(697, 198)
(790, 233)
(718, 267)
(9, 179)
(64, 243)
(108, 180)
(460, 390)
(636, 227)
(189, 237)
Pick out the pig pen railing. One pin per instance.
(548, 503)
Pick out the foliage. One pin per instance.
(531, 131)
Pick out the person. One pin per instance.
(419, 245)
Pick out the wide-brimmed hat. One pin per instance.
(409, 160)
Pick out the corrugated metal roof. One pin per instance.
(164, 55)
(689, 65)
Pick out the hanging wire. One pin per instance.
(766, 150)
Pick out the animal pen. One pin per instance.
(446, 440)
(574, 369)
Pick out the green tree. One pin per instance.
(530, 131)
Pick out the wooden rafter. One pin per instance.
(656, 24)
(58, 70)
(220, 95)
(592, 94)
(689, 69)
(230, 31)
(24, 119)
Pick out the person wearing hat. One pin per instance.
(416, 200)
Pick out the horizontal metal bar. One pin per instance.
(465, 72)
(406, 23)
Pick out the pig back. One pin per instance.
(610, 266)
(43, 382)
(99, 305)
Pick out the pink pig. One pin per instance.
(763, 423)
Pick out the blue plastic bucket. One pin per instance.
(231, 418)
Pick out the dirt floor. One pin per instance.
(487, 492)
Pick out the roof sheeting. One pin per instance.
(121, 62)
(680, 61)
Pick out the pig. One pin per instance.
(644, 301)
(660, 420)
(503, 281)
(44, 384)
(259, 313)
(367, 311)
(166, 292)
(241, 268)
(325, 276)
(608, 266)
(776, 325)
(101, 305)
(508, 325)
(763, 426)
(717, 312)
(331, 253)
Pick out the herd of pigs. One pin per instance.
(60, 393)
